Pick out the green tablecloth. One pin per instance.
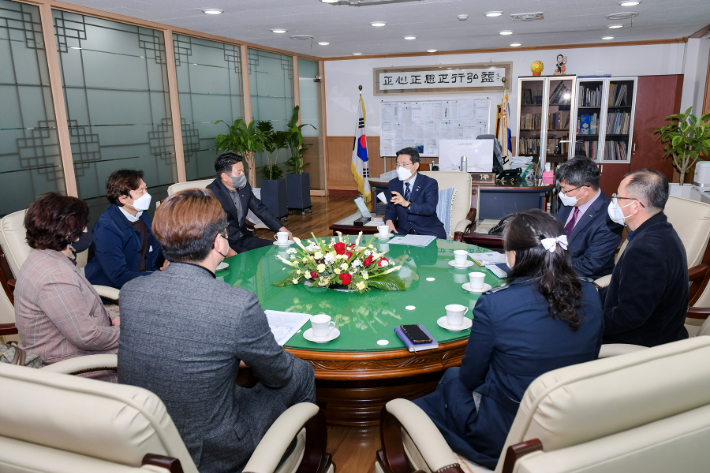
(365, 319)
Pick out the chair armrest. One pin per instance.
(110, 293)
(461, 228)
(616, 349)
(697, 272)
(277, 439)
(603, 281)
(485, 240)
(8, 329)
(84, 364)
(401, 413)
(249, 225)
(701, 313)
(163, 463)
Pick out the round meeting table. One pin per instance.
(368, 365)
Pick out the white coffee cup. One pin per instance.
(460, 257)
(476, 280)
(282, 237)
(383, 230)
(455, 313)
(322, 325)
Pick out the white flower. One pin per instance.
(295, 281)
(356, 263)
(336, 271)
(368, 252)
(291, 251)
(329, 257)
(292, 257)
(324, 281)
(344, 266)
(320, 268)
(360, 286)
(318, 255)
(307, 275)
(341, 257)
(305, 260)
(364, 275)
(298, 272)
(384, 263)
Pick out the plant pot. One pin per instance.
(299, 191)
(686, 191)
(274, 197)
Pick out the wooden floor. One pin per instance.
(353, 448)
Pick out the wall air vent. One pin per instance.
(625, 15)
(303, 37)
(527, 16)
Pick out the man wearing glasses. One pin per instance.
(647, 299)
(413, 199)
(592, 236)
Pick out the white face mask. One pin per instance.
(615, 212)
(568, 201)
(403, 174)
(142, 203)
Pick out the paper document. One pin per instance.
(413, 240)
(488, 258)
(382, 197)
(362, 207)
(285, 324)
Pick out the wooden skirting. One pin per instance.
(346, 192)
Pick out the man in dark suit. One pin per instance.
(647, 299)
(184, 335)
(592, 237)
(234, 193)
(413, 199)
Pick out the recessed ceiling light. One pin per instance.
(431, 50)
(629, 4)
(506, 32)
(278, 30)
(515, 45)
(323, 43)
(613, 27)
(212, 11)
(410, 38)
(607, 38)
(357, 54)
(378, 23)
(492, 14)
(74, 47)
(463, 17)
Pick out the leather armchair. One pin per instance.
(644, 411)
(54, 423)
(463, 214)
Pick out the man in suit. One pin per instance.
(184, 335)
(592, 237)
(647, 299)
(234, 193)
(413, 199)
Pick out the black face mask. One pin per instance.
(84, 241)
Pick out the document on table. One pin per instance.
(413, 240)
(285, 324)
(488, 258)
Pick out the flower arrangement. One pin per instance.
(341, 263)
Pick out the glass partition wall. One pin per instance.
(309, 87)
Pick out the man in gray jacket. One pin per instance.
(184, 334)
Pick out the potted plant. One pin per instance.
(274, 193)
(299, 183)
(242, 139)
(687, 137)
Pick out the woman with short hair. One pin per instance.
(58, 313)
(545, 318)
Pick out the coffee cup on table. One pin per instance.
(476, 280)
(455, 313)
(322, 325)
(383, 231)
(460, 257)
(281, 237)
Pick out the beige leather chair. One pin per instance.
(181, 186)
(463, 215)
(647, 411)
(58, 423)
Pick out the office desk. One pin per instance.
(356, 376)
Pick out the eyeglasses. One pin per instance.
(567, 192)
(405, 165)
(614, 197)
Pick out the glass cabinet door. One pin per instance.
(559, 115)
(619, 119)
(590, 97)
(530, 114)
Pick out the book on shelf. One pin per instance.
(615, 150)
(618, 123)
(558, 96)
(590, 97)
(587, 148)
(531, 97)
(529, 146)
(618, 95)
(588, 124)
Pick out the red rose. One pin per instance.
(368, 261)
(379, 263)
(351, 245)
(314, 275)
(345, 278)
(349, 254)
(340, 248)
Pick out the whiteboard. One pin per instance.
(422, 124)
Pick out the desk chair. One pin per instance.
(463, 214)
(58, 423)
(647, 411)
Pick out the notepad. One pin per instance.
(285, 325)
(490, 257)
(413, 240)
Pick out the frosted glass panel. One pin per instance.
(30, 161)
(118, 106)
(209, 79)
(311, 113)
(271, 88)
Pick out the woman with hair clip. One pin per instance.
(545, 318)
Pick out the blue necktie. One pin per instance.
(406, 191)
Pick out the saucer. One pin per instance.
(468, 264)
(333, 334)
(377, 236)
(443, 323)
(486, 287)
(222, 266)
(284, 245)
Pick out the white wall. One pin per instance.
(695, 72)
(343, 77)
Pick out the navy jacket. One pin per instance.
(420, 217)
(114, 256)
(237, 228)
(513, 341)
(647, 299)
(594, 240)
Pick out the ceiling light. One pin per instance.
(607, 38)
(629, 4)
(431, 50)
(493, 14)
(330, 1)
(613, 27)
(462, 17)
(357, 54)
(515, 45)
(278, 30)
(506, 32)
(74, 47)
(212, 11)
(324, 43)
(378, 23)
(410, 38)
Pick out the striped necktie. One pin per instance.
(407, 192)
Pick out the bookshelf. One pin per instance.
(604, 118)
